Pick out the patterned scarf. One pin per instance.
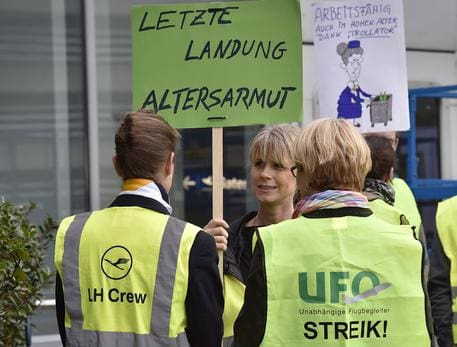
(330, 199)
(377, 189)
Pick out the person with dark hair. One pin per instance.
(351, 98)
(381, 194)
(404, 197)
(390, 197)
(131, 274)
(334, 272)
(378, 188)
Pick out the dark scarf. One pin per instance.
(377, 189)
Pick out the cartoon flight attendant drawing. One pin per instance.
(352, 97)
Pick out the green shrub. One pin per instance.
(22, 268)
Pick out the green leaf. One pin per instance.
(23, 248)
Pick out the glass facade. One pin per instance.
(43, 151)
(428, 156)
(42, 106)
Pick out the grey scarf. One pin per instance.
(377, 189)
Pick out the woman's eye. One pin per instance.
(278, 166)
(259, 164)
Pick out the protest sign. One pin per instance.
(361, 63)
(218, 64)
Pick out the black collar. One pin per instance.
(339, 212)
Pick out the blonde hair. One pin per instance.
(276, 143)
(144, 142)
(334, 155)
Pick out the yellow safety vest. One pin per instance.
(446, 224)
(343, 281)
(388, 213)
(125, 273)
(233, 300)
(406, 202)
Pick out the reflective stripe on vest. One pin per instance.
(454, 314)
(70, 269)
(446, 227)
(228, 341)
(161, 301)
(343, 281)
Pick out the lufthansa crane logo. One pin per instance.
(116, 262)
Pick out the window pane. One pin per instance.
(428, 156)
(42, 118)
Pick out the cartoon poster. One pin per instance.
(361, 63)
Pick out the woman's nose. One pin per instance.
(266, 171)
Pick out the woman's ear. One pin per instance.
(391, 175)
(116, 166)
(388, 177)
(168, 172)
(170, 164)
(396, 141)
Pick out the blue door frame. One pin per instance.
(426, 189)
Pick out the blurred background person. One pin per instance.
(379, 190)
(404, 197)
(378, 183)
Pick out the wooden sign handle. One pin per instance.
(218, 184)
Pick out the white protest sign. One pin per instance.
(361, 63)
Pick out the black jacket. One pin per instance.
(237, 257)
(439, 288)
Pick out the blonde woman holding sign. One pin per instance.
(274, 186)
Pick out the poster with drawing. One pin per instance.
(361, 63)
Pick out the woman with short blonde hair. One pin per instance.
(276, 142)
(341, 159)
(271, 155)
